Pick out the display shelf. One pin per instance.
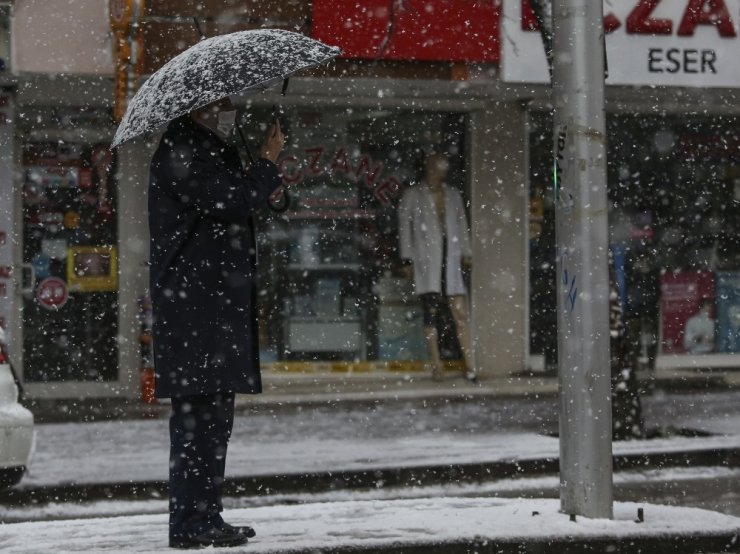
(324, 267)
(321, 279)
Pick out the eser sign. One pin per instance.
(649, 42)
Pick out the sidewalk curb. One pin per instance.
(709, 543)
(293, 395)
(357, 479)
(57, 411)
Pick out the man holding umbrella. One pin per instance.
(203, 270)
(203, 252)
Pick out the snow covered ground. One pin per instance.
(360, 439)
(130, 451)
(373, 524)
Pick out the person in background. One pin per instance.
(434, 243)
(202, 282)
(698, 335)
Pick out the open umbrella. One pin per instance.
(215, 68)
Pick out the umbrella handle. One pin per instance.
(279, 200)
(197, 26)
(244, 142)
(277, 110)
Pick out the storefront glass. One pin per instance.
(70, 288)
(5, 39)
(674, 192)
(331, 286)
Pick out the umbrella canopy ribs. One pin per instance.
(215, 68)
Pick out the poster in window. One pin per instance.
(92, 269)
(686, 304)
(728, 311)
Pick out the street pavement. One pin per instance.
(410, 436)
(377, 436)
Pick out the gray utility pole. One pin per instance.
(582, 258)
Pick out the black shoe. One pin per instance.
(244, 530)
(211, 537)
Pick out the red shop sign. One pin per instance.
(424, 30)
(52, 293)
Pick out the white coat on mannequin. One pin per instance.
(420, 239)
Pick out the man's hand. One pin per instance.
(273, 143)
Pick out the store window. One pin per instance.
(70, 277)
(5, 57)
(674, 221)
(331, 285)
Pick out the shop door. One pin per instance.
(70, 298)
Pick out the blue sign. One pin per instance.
(728, 311)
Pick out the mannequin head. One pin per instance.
(436, 168)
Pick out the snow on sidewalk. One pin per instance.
(136, 451)
(373, 524)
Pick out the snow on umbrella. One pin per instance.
(215, 68)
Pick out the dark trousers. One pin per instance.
(200, 427)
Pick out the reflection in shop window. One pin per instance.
(70, 303)
(5, 57)
(331, 286)
(674, 231)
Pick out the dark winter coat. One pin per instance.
(202, 262)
